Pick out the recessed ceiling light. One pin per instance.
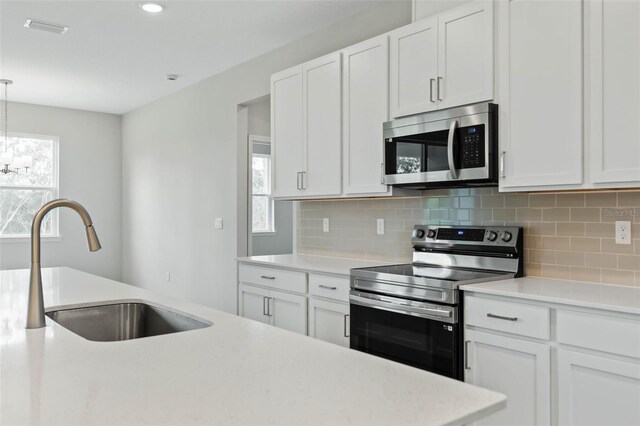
(151, 7)
(45, 26)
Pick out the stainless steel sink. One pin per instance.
(123, 321)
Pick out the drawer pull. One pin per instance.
(327, 287)
(502, 317)
(266, 277)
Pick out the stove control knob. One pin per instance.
(506, 237)
(492, 235)
(431, 233)
(420, 233)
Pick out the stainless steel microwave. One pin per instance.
(447, 148)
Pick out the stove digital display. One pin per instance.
(458, 234)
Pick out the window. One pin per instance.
(21, 195)
(261, 201)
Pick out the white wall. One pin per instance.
(90, 173)
(281, 241)
(180, 168)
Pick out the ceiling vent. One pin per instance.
(45, 26)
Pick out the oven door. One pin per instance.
(450, 151)
(423, 335)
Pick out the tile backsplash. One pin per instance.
(566, 235)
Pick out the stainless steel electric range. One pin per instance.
(412, 313)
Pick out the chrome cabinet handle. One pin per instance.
(269, 299)
(502, 317)
(346, 328)
(264, 308)
(431, 81)
(266, 277)
(382, 173)
(466, 355)
(440, 79)
(304, 186)
(502, 155)
(298, 185)
(451, 160)
(327, 287)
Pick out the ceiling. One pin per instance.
(115, 57)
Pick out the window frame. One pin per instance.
(263, 140)
(55, 223)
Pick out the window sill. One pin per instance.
(28, 239)
(259, 234)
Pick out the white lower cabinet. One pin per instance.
(283, 310)
(288, 311)
(584, 370)
(253, 303)
(329, 321)
(518, 368)
(597, 390)
(304, 302)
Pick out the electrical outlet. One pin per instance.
(325, 224)
(380, 226)
(623, 232)
(217, 223)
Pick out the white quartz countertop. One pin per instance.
(304, 262)
(237, 371)
(616, 298)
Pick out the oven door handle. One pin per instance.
(394, 305)
(450, 156)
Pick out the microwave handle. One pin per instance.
(452, 163)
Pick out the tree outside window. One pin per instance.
(21, 195)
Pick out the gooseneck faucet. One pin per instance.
(35, 310)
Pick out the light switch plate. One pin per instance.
(380, 226)
(623, 232)
(217, 223)
(325, 224)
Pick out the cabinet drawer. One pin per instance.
(510, 317)
(608, 334)
(273, 277)
(331, 287)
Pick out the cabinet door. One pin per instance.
(286, 132)
(465, 54)
(517, 368)
(329, 321)
(365, 108)
(322, 126)
(595, 390)
(540, 69)
(253, 302)
(613, 84)
(414, 68)
(288, 311)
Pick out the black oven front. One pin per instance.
(425, 335)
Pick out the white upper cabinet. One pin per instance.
(322, 126)
(613, 90)
(465, 54)
(365, 107)
(414, 68)
(443, 61)
(540, 93)
(286, 132)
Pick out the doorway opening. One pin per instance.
(269, 224)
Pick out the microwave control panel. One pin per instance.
(472, 143)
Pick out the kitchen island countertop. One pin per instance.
(236, 371)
